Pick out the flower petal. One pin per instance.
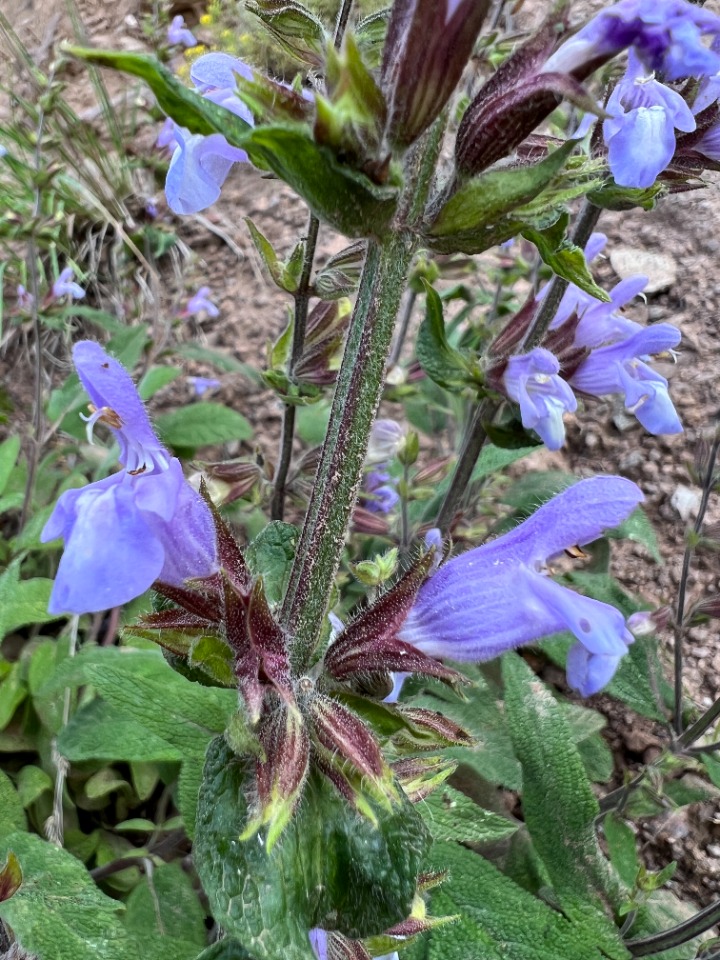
(110, 555)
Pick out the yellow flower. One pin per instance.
(206, 19)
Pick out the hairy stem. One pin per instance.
(357, 396)
(708, 484)
(342, 21)
(473, 442)
(302, 300)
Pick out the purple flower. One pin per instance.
(497, 596)
(379, 494)
(199, 302)
(65, 286)
(621, 368)
(640, 134)
(667, 36)
(198, 169)
(386, 438)
(178, 34)
(166, 137)
(532, 380)
(708, 145)
(25, 300)
(201, 385)
(136, 526)
(200, 165)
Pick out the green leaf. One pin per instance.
(227, 949)
(558, 803)
(185, 106)
(165, 903)
(270, 556)
(13, 690)
(563, 257)
(224, 362)
(450, 815)
(32, 783)
(22, 601)
(188, 790)
(99, 731)
(440, 361)
(337, 194)
(9, 450)
(267, 253)
(498, 919)
(128, 345)
(612, 197)
(155, 379)
(484, 199)
(332, 868)
(58, 913)
(638, 527)
(622, 848)
(12, 815)
(202, 425)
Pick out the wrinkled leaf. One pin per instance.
(485, 198)
(202, 425)
(332, 868)
(270, 556)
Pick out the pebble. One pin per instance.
(713, 850)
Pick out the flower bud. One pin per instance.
(428, 44)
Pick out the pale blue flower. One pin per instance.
(65, 286)
(640, 133)
(532, 380)
(621, 368)
(498, 596)
(379, 493)
(667, 36)
(200, 302)
(142, 524)
(201, 385)
(386, 438)
(178, 34)
(200, 165)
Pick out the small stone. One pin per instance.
(659, 268)
(713, 849)
(686, 501)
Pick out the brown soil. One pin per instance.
(601, 438)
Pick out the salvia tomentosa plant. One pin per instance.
(315, 748)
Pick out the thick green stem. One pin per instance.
(356, 399)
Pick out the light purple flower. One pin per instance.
(200, 165)
(386, 438)
(65, 286)
(709, 89)
(178, 34)
(708, 145)
(25, 300)
(201, 385)
(497, 596)
(532, 380)
(640, 133)
(667, 36)
(201, 301)
(198, 170)
(166, 137)
(136, 526)
(621, 368)
(379, 494)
